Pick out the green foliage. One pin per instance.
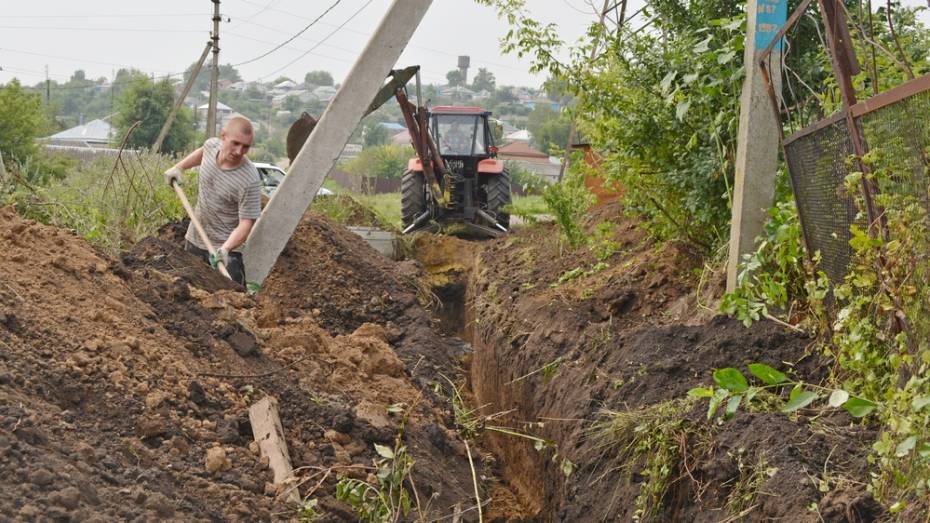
(202, 83)
(735, 391)
(568, 201)
(484, 80)
(385, 161)
(376, 134)
(21, 120)
(150, 103)
(661, 106)
(774, 276)
(602, 243)
(548, 128)
(389, 499)
(528, 207)
(880, 336)
(530, 182)
(318, 78)
(309, 511)
(455, 78)
(651, 437)
(112, 210)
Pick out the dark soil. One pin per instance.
(117, 377)
(628, 337)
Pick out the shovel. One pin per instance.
(203, 234)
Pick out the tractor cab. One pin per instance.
(462, 132)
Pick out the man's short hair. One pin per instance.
(240, 123)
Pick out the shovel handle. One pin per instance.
(220, 266)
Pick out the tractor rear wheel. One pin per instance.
(412, 196)
(497, 189)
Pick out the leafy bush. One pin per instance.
(384, 161)
(568, 201)
(21, 120)
(531, 183)
(774, 276)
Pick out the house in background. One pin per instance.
(522, 136)
(223, 112)
(93, 134)
(533, 160)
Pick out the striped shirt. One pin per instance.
(225, 196)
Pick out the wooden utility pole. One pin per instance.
(567, 154)
(180, 101)
(215, 72)
(758, 135)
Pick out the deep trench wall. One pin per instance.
(528, 471)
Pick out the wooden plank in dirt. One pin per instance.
(268, 433)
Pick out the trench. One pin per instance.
(527, 476)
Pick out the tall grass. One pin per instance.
(111, 204)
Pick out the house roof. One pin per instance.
(93, 131)
(220, 106)
(518, 136)
(391, 126)
(521, 150)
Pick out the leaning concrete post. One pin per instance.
(321, 150)
(757, 136)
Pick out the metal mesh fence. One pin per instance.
(896, 129)
(899, 135)
(817, 165)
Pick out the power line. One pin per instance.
(327, 37)
(289, 40)
(136, 15)
(98, 29)
(363, 33)
(68, 58)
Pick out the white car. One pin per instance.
(272, 176)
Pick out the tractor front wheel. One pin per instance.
(497, 189)
(412, 196)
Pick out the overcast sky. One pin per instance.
(164, 37)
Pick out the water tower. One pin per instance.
(464, 62)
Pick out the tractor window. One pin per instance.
(460, 134)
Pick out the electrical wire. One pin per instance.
(70, 59)
(289, 40)
(104, 29)
(318, 44)
(477, 60)
(136, 15)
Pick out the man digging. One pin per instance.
(229, 197)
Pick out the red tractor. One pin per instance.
(461, 181)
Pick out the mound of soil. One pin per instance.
(125, 387)
(553, 354)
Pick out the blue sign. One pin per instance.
(770, 17)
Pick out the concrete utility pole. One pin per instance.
(180, 101)
(321, 150)
(215, 72)
(758, 134)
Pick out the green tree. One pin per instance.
(548, 127)
(484, 80)
(455, 78)
(318, 78)
(385, 161)
(227, 72)
(376, 134)
(150, 102)
(21, 121)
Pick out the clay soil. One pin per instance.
(119, 377)
(628, 337)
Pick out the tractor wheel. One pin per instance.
(412, 196)
(497, 188)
